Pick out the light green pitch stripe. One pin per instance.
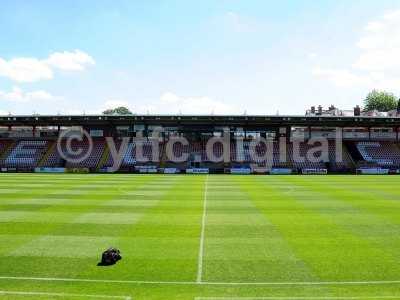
(332, 251)
(257, 254)
(380, 199)
(6, 217)
(368, 215)
(172, 256)
(32, 253)
(137, 251)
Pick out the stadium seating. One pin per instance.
(110, 161)
(30, 153)
(92, 159)
(25, 154)
(4, 144)
(178, 150)
(55, 159)
(241, 153)
(130, 158)
(380, 153)
(339, 164)
(303, 162)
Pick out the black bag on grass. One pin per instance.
(110, 257)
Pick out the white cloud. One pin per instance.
(380, 44)
(374, 26)
(114, 103)
(72, 111)
(70, 61)
(377, 65)
(312, 55)
(109, 104)
(25, 69)
(341, 78)
(18, 95)
(28, 69)
(171, 103)
(392, 15)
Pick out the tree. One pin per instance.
(118, 111)
(380, 100)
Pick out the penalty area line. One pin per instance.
(202, 234)
(21, 293)
(300, 298)
(284, 283)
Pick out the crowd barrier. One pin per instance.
(314, 171)
(146, 169)
(198, 171)
(243, 171)
(372, 171)
(171, 171)
(77, 170)
(280, 171)
(50, 170)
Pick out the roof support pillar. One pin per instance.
(288, 133)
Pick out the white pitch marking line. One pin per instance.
(298, 298)
(299, 283)
(203, 226)
(19, 293)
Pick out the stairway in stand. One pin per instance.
(51, 147)
(104, 157)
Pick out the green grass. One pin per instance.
(264, 237)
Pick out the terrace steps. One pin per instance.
(349, 158)
(104, 157)
(50, 149)
(7, 151)
(164, 157)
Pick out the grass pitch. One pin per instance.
(200, 237)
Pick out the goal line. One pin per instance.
(284, 283)
(62, 295)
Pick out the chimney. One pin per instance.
(357, 111)
(319, 110)
(313, 109)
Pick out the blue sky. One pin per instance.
(230, 57)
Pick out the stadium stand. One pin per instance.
(25, 154)
(52, 158)
(380, 153)
(94, 157)
(30, 154)
(4, 145)
(304, 162)
(130, 158)
(362, 146)
(55, 159)
(345, 163)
